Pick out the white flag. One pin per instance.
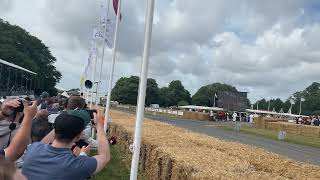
(292, 101)
(107, 26)
(302, 99)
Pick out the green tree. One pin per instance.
(205, 95)
(173, 94)
(277, 104)
(19, 47)
(126, 91)
(164, 99)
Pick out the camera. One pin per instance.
(20, 108)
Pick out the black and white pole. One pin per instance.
(142, 91)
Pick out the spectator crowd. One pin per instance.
(310, 120)
(50, 138)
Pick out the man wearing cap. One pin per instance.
(45, 97)
(56, 161)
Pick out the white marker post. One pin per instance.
(142, 91)
(114, 51)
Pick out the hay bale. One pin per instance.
(174, 153)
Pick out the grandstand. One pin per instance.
(16, 80)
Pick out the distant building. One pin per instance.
(232, 101)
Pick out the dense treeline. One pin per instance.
(19, 47)
(126, 91)
(311, 105)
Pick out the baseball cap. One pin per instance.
(44, 94)
(82, 114)
(67, 126)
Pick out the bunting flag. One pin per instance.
(82, 79)
(115, 7)
(106, 27)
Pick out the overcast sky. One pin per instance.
(268, 48)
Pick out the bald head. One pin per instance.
(42, 114)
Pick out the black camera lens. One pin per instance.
(20, 107)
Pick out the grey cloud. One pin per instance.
(198, 42)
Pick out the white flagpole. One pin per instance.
(142, 91)
(300, 107)
(102, 58)
(114, 51)
(94, 75)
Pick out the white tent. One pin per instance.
(201, 108)
(65, 94)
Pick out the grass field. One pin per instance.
(291, 138)
(116, 169)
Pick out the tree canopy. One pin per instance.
(206, 94)
(126, 91)
(17, 46)
(310, 106)
(174, 95)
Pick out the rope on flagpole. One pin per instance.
(102, 58)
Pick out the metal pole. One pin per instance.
(8, 83)
(30, 83)
(94, 77)
(142, 91)
(1, 74)
(103, 49)
(26, 81)
(16, 79)
(114, 51)
(300, 107)
(35, 82)
(269, 105)
(21, 80)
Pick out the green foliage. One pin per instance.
(183, 103)
(175, 93)
(126, 91)
(205, 95)
(310, 106)
(19, 47)
(316, 112)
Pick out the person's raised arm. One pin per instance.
(22, 137)
(103, 156)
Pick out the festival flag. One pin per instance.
(303, 99)
(82, 79)
(107, 27)
(115, 7)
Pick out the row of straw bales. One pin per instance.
(172, 153)
(304, 130)
(262, 122)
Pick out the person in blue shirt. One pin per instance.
(56, 161)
